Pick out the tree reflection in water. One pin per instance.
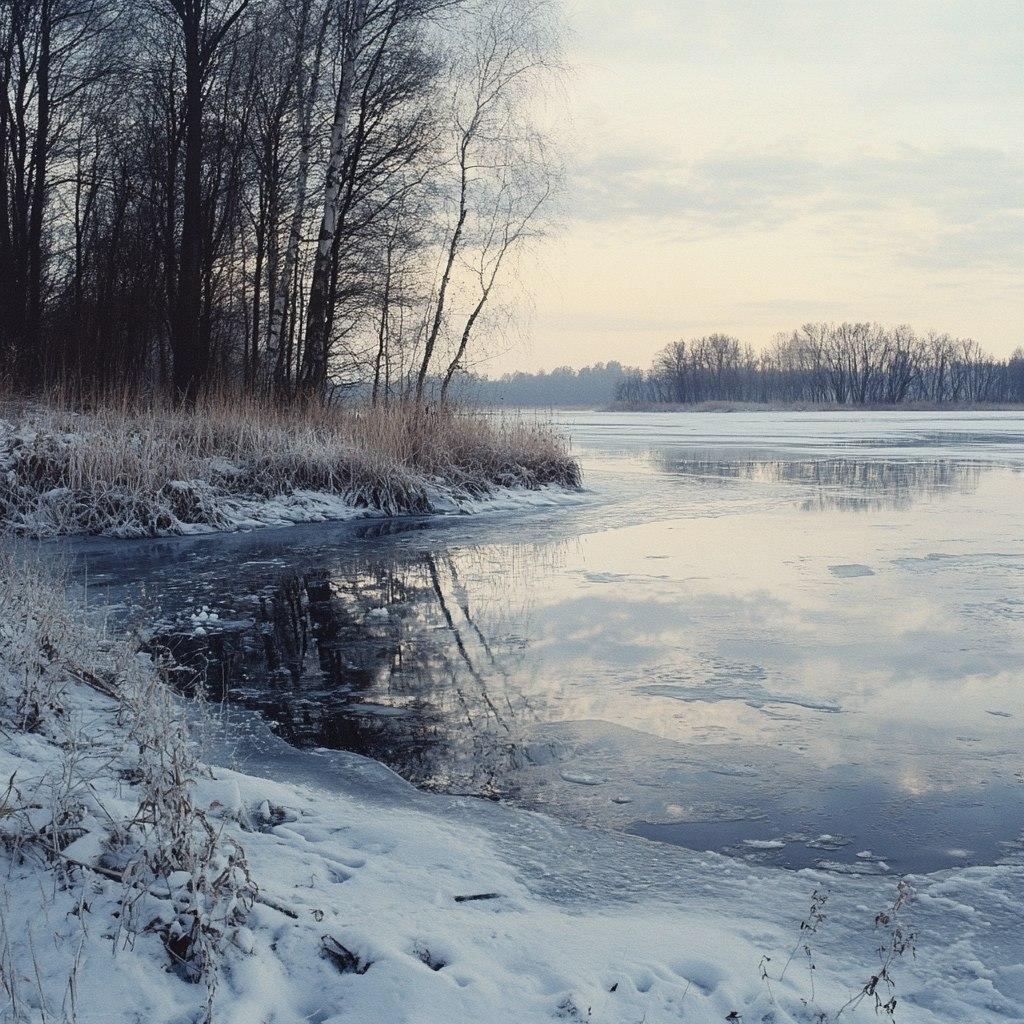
(386, 658)
(828, 484)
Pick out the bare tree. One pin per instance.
(203, 26)
(501, 168)
(848, 363)
(354, 23)
(287, 195)
(306, 90)
(52, 54)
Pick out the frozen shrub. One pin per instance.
(184, 878)
(171, 847)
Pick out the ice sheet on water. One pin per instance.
(743, 909)
(851, 571)
(995, 435)
(862, 867)
(740, 689)
(583, 779)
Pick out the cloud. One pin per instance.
(954, 207)
(726, 192)
(996, 241)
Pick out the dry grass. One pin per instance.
(122, 469)
(182, 877)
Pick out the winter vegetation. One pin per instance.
(268, 235)
(99, 818)
(220, 464)
(848, 364)
(289, 198)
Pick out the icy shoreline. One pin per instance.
(230, 513)
(173, 472)
(380, 903)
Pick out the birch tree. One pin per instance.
(501, 174)
(354, 23)
(524, 189)
(306, 91)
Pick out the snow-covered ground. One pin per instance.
(380, 904)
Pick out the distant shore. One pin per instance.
(729, 406)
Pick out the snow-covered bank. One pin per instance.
(161, 472)
(377, 903)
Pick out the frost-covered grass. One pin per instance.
(101, 773)
(139, 883)
(125, 470)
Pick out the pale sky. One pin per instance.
(749, 165)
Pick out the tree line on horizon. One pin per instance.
(279, 196)
(564, 385)
(857, 364)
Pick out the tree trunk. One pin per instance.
(463, 343)
(189, 362)
(382, 333)
(306, 96)
(30, 355)
(314, 374)
(453, 250)
(8, 277)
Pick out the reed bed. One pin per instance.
(126, 469)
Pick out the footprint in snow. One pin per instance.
(351, 861)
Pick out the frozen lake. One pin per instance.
(794, 637)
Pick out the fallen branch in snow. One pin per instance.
(275, 904)
(107, 687)
(342, 957)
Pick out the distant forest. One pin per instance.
(592, 385)
(836, 364)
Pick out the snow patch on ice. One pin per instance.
(828, 842)
(583, 779)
